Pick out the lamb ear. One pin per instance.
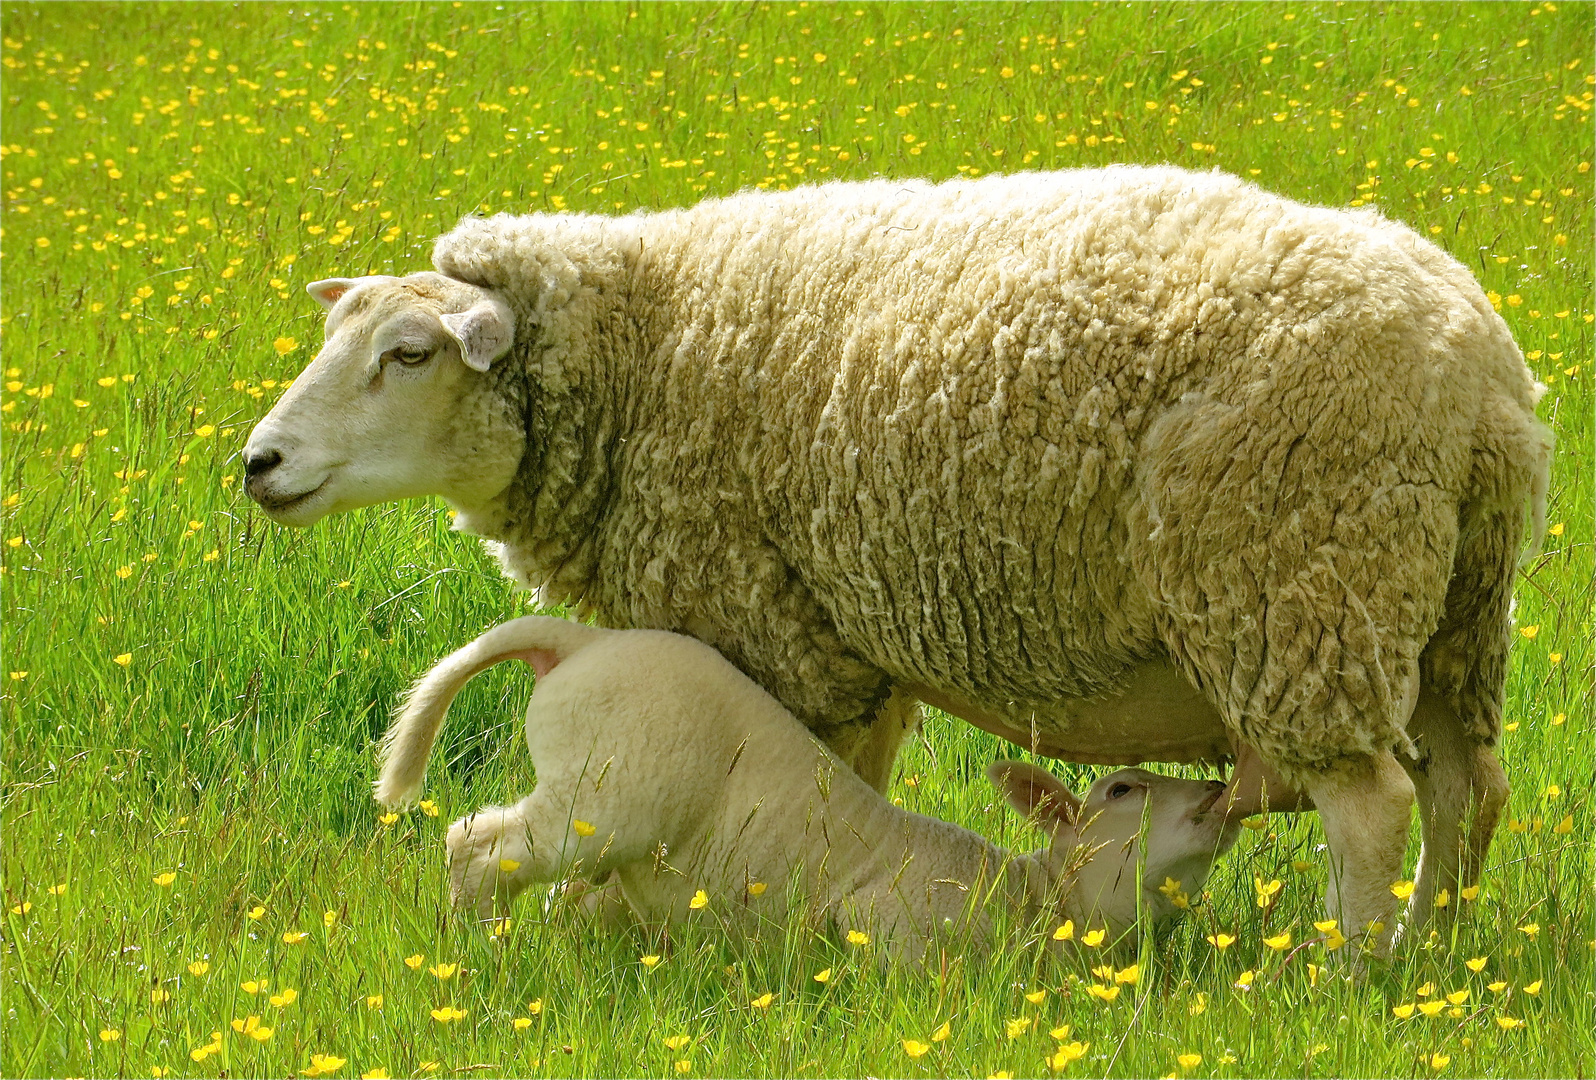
(327, 291)
(1035, 792)
(484, 333)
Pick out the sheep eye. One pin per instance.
(1119, 790)
(407, 354)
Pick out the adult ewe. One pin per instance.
(1125, 465)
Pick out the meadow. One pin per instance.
(195, 879)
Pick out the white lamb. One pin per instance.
(659, 762)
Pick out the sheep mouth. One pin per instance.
(275, 505)
(1207, 805)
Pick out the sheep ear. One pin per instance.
(484, 333)
(1035, 792)
(327, 292)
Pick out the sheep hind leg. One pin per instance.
(495, 853)
(1366, 808)
(1461, 791)
(875, 750)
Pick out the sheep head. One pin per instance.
(400, 402)
(1136, 832)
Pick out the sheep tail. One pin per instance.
(402, 756)
(1466, 659)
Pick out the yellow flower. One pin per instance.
(915, 1049)
(448, 1014)
(700, 900)
(756, 888)
(256, 912)
(1094, 938)
(521, 1023)
(823, 976)
(198, 968)
(389, 818)
(163, 880)
(205, 431)
(683, 1066)
(1508, 1023)
(763, 1001)
(252, 1027)
(1199, 1004)
(1103, 993)
(294, 937)
(322, 1064)
(1529, 632)
(1018, 1026)
(1036, 997)
(328, 918)
(426, 806)
(253, 986)
(124, 659)
(1496, 987)
(583, 828)
(1402, 889)
(378, 1073)
(1065, 932)
(1129, 975)
(160, 996)
(285, 998)
(285, 345)
(1471, 893)
(1265, 890)
(1530, 929)
(1431, 1008)
(1475, 964)
(535, 1007)
(1244, 980)
(414, 962)
(444, 971)
(941, 1034)
(674, 1043)
(22, 908)
(501, 927)
(1402, 1012)
(374, 1001)
(1188, 1061)
(1443, 898)
(1221, 941)
(110, 1034)
(1439, 1061)
(858, 937)
(1068, 1052)
(1533, 988)
(1564, 827)
(1280, 941)
(1458, 997)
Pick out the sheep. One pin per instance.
(661, 764)
(1125, 465)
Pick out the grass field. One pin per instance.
(190, 693)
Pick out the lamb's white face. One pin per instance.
(1171, 829)
(399, 403)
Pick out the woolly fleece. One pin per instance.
(1011, 438)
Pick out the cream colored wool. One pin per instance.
(1010, 438)
(662, 767)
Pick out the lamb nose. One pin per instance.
(264, 461)
(1216, 785)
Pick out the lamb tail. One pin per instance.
(402, 756)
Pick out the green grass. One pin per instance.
(188, 688)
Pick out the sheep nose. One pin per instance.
(261, 461)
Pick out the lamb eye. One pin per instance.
(1119, 790)
(407, 354)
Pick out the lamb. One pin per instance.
(660, 763)
(1126, 465)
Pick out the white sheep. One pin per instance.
(1130, 464)
(661, 764)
